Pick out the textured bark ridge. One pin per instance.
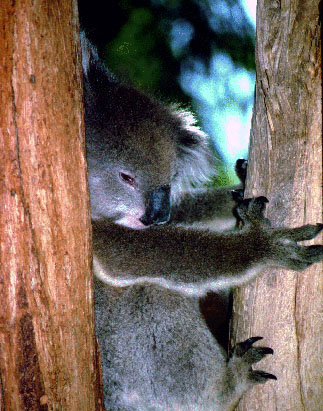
(47, 344)
(285, 165)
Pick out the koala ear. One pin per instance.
(195, 156)
(94, 71)
(190, 134)
(89, 54)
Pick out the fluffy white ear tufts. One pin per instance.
(89, 54)
(195, 158)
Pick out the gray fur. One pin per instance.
(157, 352)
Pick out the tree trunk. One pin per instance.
(47, 345)
(285, 165)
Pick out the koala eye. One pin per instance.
(126, 178)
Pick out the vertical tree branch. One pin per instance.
(47, 343)
(286, 166)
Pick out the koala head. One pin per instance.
(141, 154)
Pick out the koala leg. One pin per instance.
(157, 352)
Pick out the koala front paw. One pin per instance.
(251, 211)
(293, 256)
(283, 250)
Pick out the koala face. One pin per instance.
(130, 182)
(140, 153)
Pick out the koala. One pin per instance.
(159, 244)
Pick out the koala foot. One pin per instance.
(283, 250)
(245, 354)
(240, 369)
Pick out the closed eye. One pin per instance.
(126, 178)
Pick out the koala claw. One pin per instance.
(266, 350)
(242, 347)
(248, 353)
(261, 376)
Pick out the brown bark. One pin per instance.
(286, 166)
(47, 344)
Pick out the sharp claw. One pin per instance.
(244, 346)
(241, 161)
(266, 350)
(237, 195)
(252, 340)
(266, 375)
(260, 377)
(263, 199)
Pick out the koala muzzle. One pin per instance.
(158, 207)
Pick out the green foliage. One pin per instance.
(224, 177)
(132, 57)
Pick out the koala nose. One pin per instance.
(158, 207)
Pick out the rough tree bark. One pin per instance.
(47, 344)
(286, 166)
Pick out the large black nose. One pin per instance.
(158, 207)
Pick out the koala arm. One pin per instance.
(206, 208)
(194, 262)
(173, 257)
